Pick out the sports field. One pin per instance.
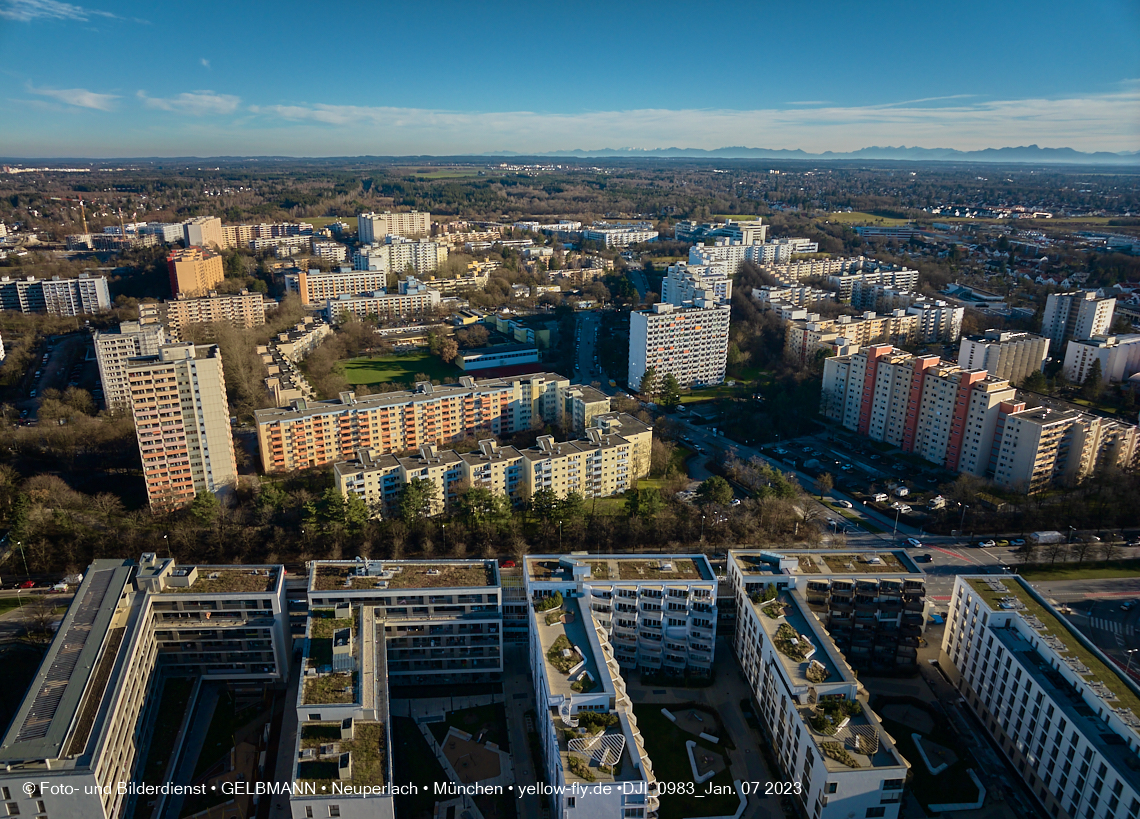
(397, 367)
(323, 221)
(860, 218)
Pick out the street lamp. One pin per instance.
(27, 574)
(702, 528)
(1071, 530)
(1130, 652)
(962, 523)
(895, 531)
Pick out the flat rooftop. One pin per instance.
(795, 668)
(556, 637)
(618, 567)
(1055, 626)
(820, 562)
(356, 575)
(228, 580)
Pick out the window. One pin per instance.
(873, 812)
(570, 802)
(831, 787)
(892, 784)
(308, 812)
(334, 810)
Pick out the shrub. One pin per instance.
(554, 655)
(583, 686)
(595, 721)
(784, 636)
(839, 754)
(580, 769)
(817, 672)
(554, 601)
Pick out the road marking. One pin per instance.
(959, 555)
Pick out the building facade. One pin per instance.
(690, 343)
(204, 231)
(804, 338)
(1061, 712)
(414, 299)
(194, 271)
(82, 295)
(373, 227)
(316, 287)
(1012, 356)
(1079, 316)
(112, 350)
(182, 421)
(1119, 358)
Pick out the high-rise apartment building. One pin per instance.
(316, 287)
(1119, 358)
(57, 296)
(373, 227)
(968, 421)
(1079, 316)
(803, 338)
(243, 310)
(1012, 356)
(319, 433)
(178, 398)
(204, 231)
(684, 283)
(1061, 712)
(112, 350)
(689, 342)
(194, 271)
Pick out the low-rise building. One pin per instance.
(317, 287)
(413, 299)
(498, 355)
(624, 235)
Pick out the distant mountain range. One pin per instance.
(1026, 153)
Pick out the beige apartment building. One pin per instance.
(373, 227)
(316, 287)
(243, 310)
(204, 231)
(413, 299)
(194, 271)
(319, 433)
(182, 421)
(1012, 356)
(112, 350)
(804, 337)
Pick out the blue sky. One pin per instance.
(109, 78)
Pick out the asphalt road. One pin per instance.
(586, 338)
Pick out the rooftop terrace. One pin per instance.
(1064, 642)
(563, 635)
(321, 747)
(329, 576)
(227, 580)
(827, 563)
(608, 567)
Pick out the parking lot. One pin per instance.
(61, 362)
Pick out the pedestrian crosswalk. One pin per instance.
(1113, 627)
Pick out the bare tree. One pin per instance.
(1057, 551)
(1081, 549)
(1109, 551)
(37, 614)
(1028, 552)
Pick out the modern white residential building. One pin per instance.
(61, 297)
(811, 703)
(690, 342)
(182, 422)
(112, 351)
(1061, 712)
(204, 231)
(83, 729)
(744, 232)
(619, 235)
(1012, 356)
(1079, 316)
(332, 252)
(1119, 358)
(414, 298)
(399, 254)
(373, 227)
(937, 320)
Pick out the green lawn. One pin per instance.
(711, 393)
(739, 217)
(414, 763)
(860, 218)
(854, 518)
(9, 603)
(1069, 571)
(665, 744)
(324, 221)
(442, 173)
(403, 367)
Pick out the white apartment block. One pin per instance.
(167, 232)
(805, 268)
(332, 252)
(373, 227)
(691, 343)
(1119, 358)
(112, 351)
(619, 235)
(577, 681)
(804, 338)
(61, 297)
(851, 767)
(1079, 316)
(316, 287)
(319, 433)
(413, 299)
(204, 231)
(851, 283)
(182, 422)
(685, 283)
(1012, 356)
(397, 256)
(87, 719)
(741, 232)
(799, 295)
(937, 320)
(1061, 712)
(733, 253)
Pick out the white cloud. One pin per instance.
(205, 62)
(1100, 122)
(195, 103)
(79, 97)
(25, 11)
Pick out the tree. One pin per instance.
(480, 505)
(1035, 382)
(1057, 551)
(544, 503)
(448, 350)
(1081, 549)
(714, 490)
(571, 507)
(1109, 551)
(1028, 552)
(670, 392)
(1091, 386)
(417, 499)
(204, 507)
(648, 386)
(824, 483)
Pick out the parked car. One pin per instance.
(27, 584)
(924, 558)
(1003, 543)
(913, 543)
(986, 544)
(846, 504)
(1017, 541)
(1128, 606)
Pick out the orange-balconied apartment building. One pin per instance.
(178, 399)
(310, 434)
